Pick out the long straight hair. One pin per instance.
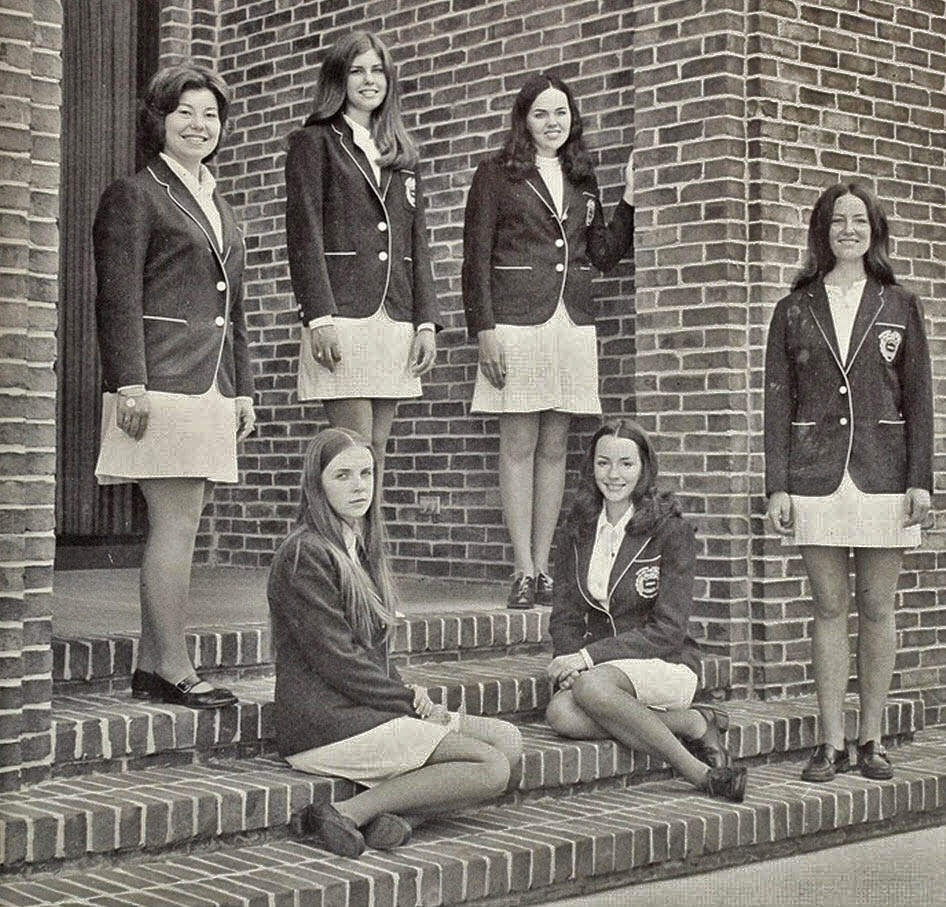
(369, 596)
(820, 257)
(396, 147)
(518, 151)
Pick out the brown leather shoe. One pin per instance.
(826, 762)
(387, 831)
(728, 783)
(873, 762)
(332, 831)
(710, 747)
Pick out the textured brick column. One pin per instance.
(31, 33)
(691, 270)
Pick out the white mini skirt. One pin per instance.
(553, 365)
(375, 357)
(851, 518)
(188, 436)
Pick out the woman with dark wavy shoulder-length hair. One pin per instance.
(624, 665)
(534, 234)
(848, 455)
(169, 257)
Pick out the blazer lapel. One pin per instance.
(184, 201)
(821, 312)
(357, 156)
(632, 547)
(871, 305)
(535, 182)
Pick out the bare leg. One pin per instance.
(460, 772)
(372, 419)
(174, 508)
(828, 571)
(606, 696)
(518, 435)
(878, 570)
(549, 483)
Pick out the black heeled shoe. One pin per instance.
(142, 685)
(710, 747)
(181, 693)
(826, 762)
(728, 783)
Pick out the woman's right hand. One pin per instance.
(780, 514)
(131, 414)
(325, 348)
(423, 704)
(492, 358)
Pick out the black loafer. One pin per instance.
(826, 762)
(522, 594)
(728, 783)
(387, 831)
(710, 747)
(543, 590)
(142, 685)
(181, 694)
(873, 762)
(333, 831)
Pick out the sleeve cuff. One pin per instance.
(589, 663)
(244, 397)
(322, 321)
(426, 326)
(132, 390)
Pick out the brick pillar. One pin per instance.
(691, 271)
(31, 33)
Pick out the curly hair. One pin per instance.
(518, 151)
(397, 149)
(820, 257)
(164, 94)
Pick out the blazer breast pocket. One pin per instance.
(889, 339)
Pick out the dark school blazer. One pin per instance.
(329, 686)
(354, 244)
(650, 595)
(520, 258)
(872, 414)
(169, 306)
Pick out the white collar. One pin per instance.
(359, 132)
(619, 527)
(204, 183)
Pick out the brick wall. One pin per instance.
(460, 65)
(801, 96)
(31, 36)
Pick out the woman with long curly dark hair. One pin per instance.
(848, 454)
(534, 230)
(624, 665)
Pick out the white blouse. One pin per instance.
(843, 303)
(608, 541)
(202, 189)
(550, 169)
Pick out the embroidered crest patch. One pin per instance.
(410, 189)
(589, 212)
(647, 581)
(889, 344)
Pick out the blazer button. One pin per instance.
(219, 321)
(842, 390)
(221, 285)
(560, 267)
(382, 256)
(559, 242)
(843, 420)
(382, 226)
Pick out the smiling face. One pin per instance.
(849, 233)
(617, 472)
(348, 482)
(549, 121)
(192, 129)
(366, 87)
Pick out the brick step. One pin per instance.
(105, 663)
(98, 730)
(152, 808)
(536, 849)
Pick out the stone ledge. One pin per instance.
(539, 846)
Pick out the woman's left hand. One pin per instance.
(916, 505)
(245, 417)
(562, 665)
(423, 704)
(629, 179)
(423, 353)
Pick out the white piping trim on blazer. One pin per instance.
(382, 195)
(560, 221)
(593, 603)
(844, 371)
(164, 318)
(220, 261)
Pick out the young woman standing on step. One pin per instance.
(624, 665)
(341, 707)
(175, 361)
(848, 454)
(533, 231)
(357, 244)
